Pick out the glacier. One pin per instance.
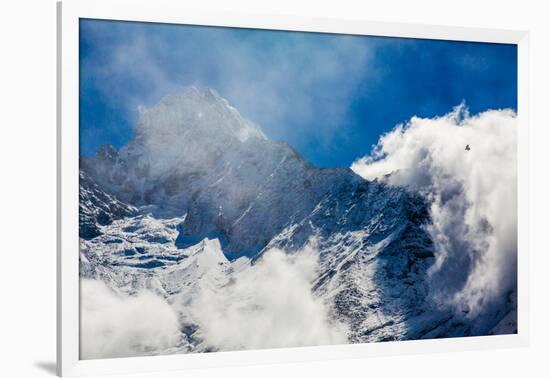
(200, 200)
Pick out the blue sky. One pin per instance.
(330, 96)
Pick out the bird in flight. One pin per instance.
(467, 147)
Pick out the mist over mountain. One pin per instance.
(251, 246)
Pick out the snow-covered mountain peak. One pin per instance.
(195, 154)
(193, 113)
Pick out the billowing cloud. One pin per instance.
(118, 325)
(268, 305)
(473, 196)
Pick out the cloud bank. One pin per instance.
(268, 305)
(117, 325)
(473, 196)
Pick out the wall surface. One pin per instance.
(27, 187)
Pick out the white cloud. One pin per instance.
(268, 305)
(473, 198)
(117, 325)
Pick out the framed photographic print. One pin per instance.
(238, 189)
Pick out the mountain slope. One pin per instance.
(98, 208)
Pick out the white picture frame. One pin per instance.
(169, 11)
